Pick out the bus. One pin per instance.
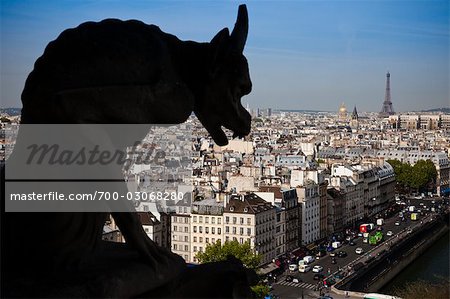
(376, 238)
(379, 296)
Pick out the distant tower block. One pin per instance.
(387, 109)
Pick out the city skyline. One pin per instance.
(302, 55)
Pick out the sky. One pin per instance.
(305, 55)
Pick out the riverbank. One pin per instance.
(430, 267)
(372, 275)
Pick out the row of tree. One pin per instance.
(420, 177)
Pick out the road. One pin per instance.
(307, 284)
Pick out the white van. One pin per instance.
(293, 267)
(308, 259)
(304, 268)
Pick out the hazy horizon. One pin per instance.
(303, 55)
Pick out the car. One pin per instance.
(319, 276)
(389, 233)
(342, 254)
(293, 267)
(333, 260)
(289, 278)
(338, 276)
(360, 234)
(365, 240)
(317, 269)
(296, 280)
(352, 243)
(397, 223)
(359, 250)
(333, 254)
(304, 268)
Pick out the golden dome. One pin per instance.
(342, 109)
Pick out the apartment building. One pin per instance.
(249, 218)
(180, 230)
(206, 225)
(309, 199)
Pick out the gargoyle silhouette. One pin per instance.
(125, 72)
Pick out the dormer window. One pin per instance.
(231, 209)
(245, 210)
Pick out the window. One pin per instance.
(175, 247)
(200, 229)
(249, 231)
(241, 220)
(241, 240)
(200, 219)
(195, 239)
(207, 240)
(213, 230)
(195, 219)
(175, 228)
(213, 220)
(234, 230)
(227, 219)
(200, 239)
(186, 248)
(213, 240)
(195, 229)
(186, 229)
(227, 239)
(186, 220)
(227, 229)
(219, 230)
(186, 239)
(249, 221)
(195, 248)
(206, 219)
(219, 221)
(234, 220)
(241, 231)
(207, 230)
(174, 218)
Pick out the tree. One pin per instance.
(424, 174)
(421, 176)
(219, 252)
(261, 290)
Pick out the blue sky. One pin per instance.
(302, 54)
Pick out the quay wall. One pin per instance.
(374, 274)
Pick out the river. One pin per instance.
(430, 266)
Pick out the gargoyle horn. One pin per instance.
(240, 30)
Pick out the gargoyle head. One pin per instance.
(228, 81)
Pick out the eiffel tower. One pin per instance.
(387, 109)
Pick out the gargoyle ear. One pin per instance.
(221, 37)
(220, 49)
